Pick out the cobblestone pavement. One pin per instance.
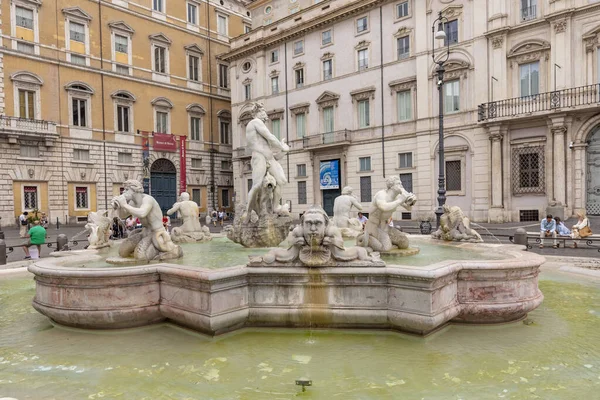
(12, 237)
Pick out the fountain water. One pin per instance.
(487, 231)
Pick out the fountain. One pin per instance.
(455, 226)
(190, 231)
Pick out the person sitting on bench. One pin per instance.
(548, 228)
(581, 229)
(561, 228)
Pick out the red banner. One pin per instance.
(164, 142)
(182, 163)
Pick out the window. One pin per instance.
(361, 25)
(247, 91)
(407, 182)
(162, 122)
(224, 131)
(79, 60)
(81, 197)
(159, 59)
(275, 85)
(402, 9)
(274, 56)
(249, 184)
(300, 125)
(299, 77)
(451, 32)
(364, 164)
(301, 170)
(197, 163)
(76, 32)
(363, 59)
(246, 66)
(451, 96)
(195, 128)
(363, 114)
(403, 99)
(247, 28)
(528, 169)
(30, 197)
(192, 13)
(125, 158)
(196, 196)
(25, 47)
(223, 76)
(403, 47)
(225, 198)
(365, 188)
(276, 127)
(24, 17)
(405, 160)
(121, 44)
(327, 70)
(298, 47)
(157, 5)
(222, 25)
(302, 192)
(225, 165)
(326, 37)
(193, 64)
(528, 9)
(123, 113)
(453, 176)
(79, 112)
(328, 123)
(122, 69)
(26, 104)
(30, 151)
(529, 75)
(81, 155)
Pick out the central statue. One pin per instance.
(190, 230)
(264, 221)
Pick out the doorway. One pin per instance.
(163, 183)
(330, 183)
(592, 206)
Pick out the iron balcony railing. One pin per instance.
(326, 138)
(549, 101)
(528, 13)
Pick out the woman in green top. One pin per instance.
(37, 237)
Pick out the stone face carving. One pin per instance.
(455, 226)
(98, 226)
(316, 242)
(378, 235)
(264, 222)
(152, 242)
(349, 227)
(190, 230)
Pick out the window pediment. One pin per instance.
(36, 3)
(591, 39)
(76, 12)
(195, 108)
(299, 65)
(327, 56)
(245, 117)
(327, 99)
(301, 108)
(363, 44)
(121, 26)
(276, 114)
(452, 12)
(123, 95)
(363, 94)
(247, 81)
(160, 37)
(454, 69)
(194, 48)
(274, 73)
(399, 85)
(403, 31)
(78, 86)
(162, 102)
(26, 77)
(224, 114)
(531, 50)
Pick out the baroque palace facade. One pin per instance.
(93, 93)
(352, 87)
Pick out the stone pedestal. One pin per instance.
(267, 231)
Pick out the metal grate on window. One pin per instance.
(302, 192)
(81, 197)
(406, 215)
(407, 182)
(529, 215)
(453, 175)
(365, 188)
(30, 197)
(528, 170)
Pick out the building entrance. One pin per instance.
(593, 174)
(330, 182)
(163, 183)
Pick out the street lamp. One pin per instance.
(440, 34)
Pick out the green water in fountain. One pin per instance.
(223, 253)
(555, 357)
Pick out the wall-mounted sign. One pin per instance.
(164, 142)
(329, 174)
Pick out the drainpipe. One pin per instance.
(287, 122)
(103, 110)
(60, 136)
(381, 91)
(212, 150)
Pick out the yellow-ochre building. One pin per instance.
(93, 93)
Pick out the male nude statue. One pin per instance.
(342, 205)
(189, 213)
(266, 150)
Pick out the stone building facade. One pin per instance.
(353, 88)
(87, 90)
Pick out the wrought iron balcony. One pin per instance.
(564, 99)
(528, 13)
(16, 128)
(327, 139)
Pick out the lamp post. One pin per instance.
(440, 34)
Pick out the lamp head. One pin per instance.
(440, 34)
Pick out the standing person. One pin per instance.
(44, 221)
(221, 216)
(582, 228)
(23, 224)
(561, 229)
(37, 237)
(166, 222)
(547, 228)
(362, 219)
(214, 216)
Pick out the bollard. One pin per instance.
(61, 242)
(57, 223)
(520, 237)
(2, 252)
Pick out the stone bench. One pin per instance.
(590, 241)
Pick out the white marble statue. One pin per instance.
(152, 242)
(190, 230)
(378, 235)
(350, 227)
(98, 226)
(455, 226)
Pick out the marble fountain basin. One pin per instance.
(414, 299)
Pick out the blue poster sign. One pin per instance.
(329, 174)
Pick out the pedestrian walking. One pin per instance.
(23, 224)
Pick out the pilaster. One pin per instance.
(496, 133)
